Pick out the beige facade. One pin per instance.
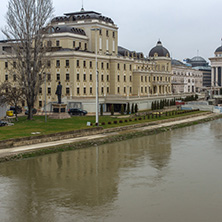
(77, 40)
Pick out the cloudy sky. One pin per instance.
(184, 27)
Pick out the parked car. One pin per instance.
(3, 123)
(77, 112)
(34, 111)
(16, 109)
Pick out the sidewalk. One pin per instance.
(22, 149)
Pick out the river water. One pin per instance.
(173, 176)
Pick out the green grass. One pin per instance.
(24, 127)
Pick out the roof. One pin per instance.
(125, 52)
(176, 62)
(82, 15)
(159, 50)
(219, 49)
(62, 29)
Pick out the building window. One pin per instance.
(14, 77)
(77, 90)
(107, 65)
(49, 90)
(57, 63)
(130, 89)
(107, 89)
(6, 77)
(145, 78)
(107, 33)
(141, 78)
(40, 104)
(79, 45)
(14, 65)
(130, 78)
(84, 64)
(90, 77)
(67, 76)
(141, 89)
(113, 34)
(74, 44)
(124, 66)
(124, 89)
(84, 77)
(102, 78)
(57, 43)
(40, 76)
(118, 78)
(90, 64)
(67, 63)
(48, 63)
(90, 90)
(84, 90)
(40, 90)
(118, 66)
(77, 76)
(77, 63)
(124, 78)
(57, 76)
(102, 90)
(100, 31)
(67, 91)
(102, 65)
(6, 65)
(130, 67)
(107, 78)
(118, 90)
(145, 89)
(49, 77)
(85, 46)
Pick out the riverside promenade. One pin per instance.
(107, 133)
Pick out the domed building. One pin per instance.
(159, 51)
(216, 68)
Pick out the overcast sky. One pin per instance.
(184, 27)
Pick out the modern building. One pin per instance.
(85, 43)
(202, 65)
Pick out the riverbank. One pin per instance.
(103, 136)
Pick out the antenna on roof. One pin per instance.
(82, 9)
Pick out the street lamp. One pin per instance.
(97, 78)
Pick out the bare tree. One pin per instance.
(11, 95)
(24, 30)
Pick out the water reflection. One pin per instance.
(110, 182)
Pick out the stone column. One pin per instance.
(216, 81)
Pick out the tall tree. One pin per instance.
(25, 20)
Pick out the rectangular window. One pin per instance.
(90, 64)
(57, 43)
(67, 76)
(40, 90)
(145, 89)
(124, 78)
(90, 77)
(141, 78)
(102, 90)
(107, 78)
(6, 65)
(102, 78)
(118, 90)
(79, 45)
(57, 76)
(107, 45)
(77, 76)
(48, 63)
(141, 89)
(124, 66)
(6, 77)
(14, 77)
(84, 77)
(67, 63)
(107, 33)
(40, 103)
(77, 90)
(77, 63)
(49, 77)
(145, 78)
(130, 67)
(49, 90)
(67, 91)
(118, 66)
(102, 65)
(107, 65)
(107, 89)
(90, 90)
(118, 78)
(124, 89)
(85, 46)
(84, 64)
(130, 78)
(40, 76)
(74, 44)
(57, 63)
(84, 90)
(130, 89)
(113, 34)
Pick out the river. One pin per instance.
(173, 176)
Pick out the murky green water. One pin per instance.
(173, 176)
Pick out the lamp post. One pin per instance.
(97, 78)
(45, 101)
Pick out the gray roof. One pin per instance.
(125, 52)
(177, 62)
(219, 49)
(64, 28)
(82, 15)
(159, 50)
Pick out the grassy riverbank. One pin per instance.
(104, 140)
(37, 126)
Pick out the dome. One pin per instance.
(219, 49)
(159, 50)
(198, 59)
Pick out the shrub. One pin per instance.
(130, 120)
(140, 118)
(109, 123)
(126, 120)
(115, 122)
(120, 121)
(103, 123)
(135, 119)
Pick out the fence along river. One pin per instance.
(171, 176)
